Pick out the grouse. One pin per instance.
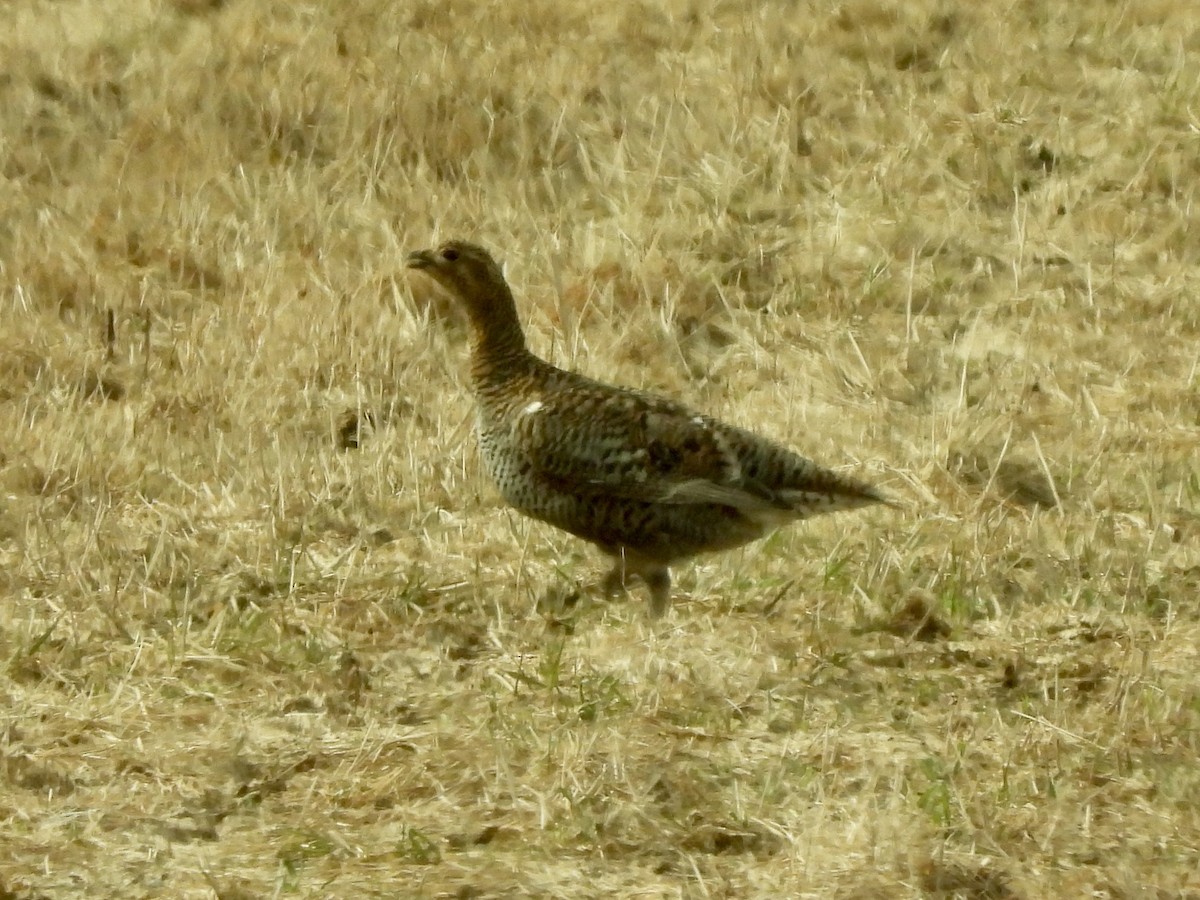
(646, 479)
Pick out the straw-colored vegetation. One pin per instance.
(264, 627)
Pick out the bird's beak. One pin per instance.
(421, 259)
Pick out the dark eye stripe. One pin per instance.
(449, 255)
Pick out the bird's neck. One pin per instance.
(498, 350)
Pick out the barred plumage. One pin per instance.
(646, 479)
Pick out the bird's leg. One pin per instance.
(656, 576)
(617, 578)
(614, 581)
(659, 582)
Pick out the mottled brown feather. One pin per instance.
(647, 479)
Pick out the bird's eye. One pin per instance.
(449, 255)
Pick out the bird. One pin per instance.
(648, 480)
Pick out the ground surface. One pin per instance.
(264, 629)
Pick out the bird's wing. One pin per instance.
(591, 437)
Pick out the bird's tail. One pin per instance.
(843, 494)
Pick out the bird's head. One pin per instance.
(468, 272)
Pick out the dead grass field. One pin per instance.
(950, 246)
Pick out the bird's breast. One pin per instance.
(509, 467)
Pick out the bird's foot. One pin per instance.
(613, 583)
(659, 582)
(616, 582)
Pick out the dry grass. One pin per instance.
(952, 246)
